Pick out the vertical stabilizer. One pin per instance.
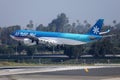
(95, 30)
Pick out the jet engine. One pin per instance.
(28, 42)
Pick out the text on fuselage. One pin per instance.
(24, 34)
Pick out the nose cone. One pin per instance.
(12, 35)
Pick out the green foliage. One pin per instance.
(101, 48)
(42, 28)
(5, 50)
(58, 24)
(5, 34)
(74, 51)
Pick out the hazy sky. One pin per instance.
(19, 12)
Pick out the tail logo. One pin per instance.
(96, 30)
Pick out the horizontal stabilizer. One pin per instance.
(105, 32)
(107, 36)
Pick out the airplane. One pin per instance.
(32, 37)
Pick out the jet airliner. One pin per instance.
(32, 37)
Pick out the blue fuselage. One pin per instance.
(65, 38)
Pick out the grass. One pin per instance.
(47, 62)
(5, 63)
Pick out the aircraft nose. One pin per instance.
(12, 35)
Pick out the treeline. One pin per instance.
(61, 23)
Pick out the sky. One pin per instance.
(20, 12)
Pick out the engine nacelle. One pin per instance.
(28, 42)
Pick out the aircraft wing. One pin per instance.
(49, 41)
(44, 40)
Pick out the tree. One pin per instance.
(68, 51)
(41, 27)
(101, 48)
(74, 51)
(59, 23)
(114, 22)
(5, 34)
(78, 51)
(30, 25)
(30, 50)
